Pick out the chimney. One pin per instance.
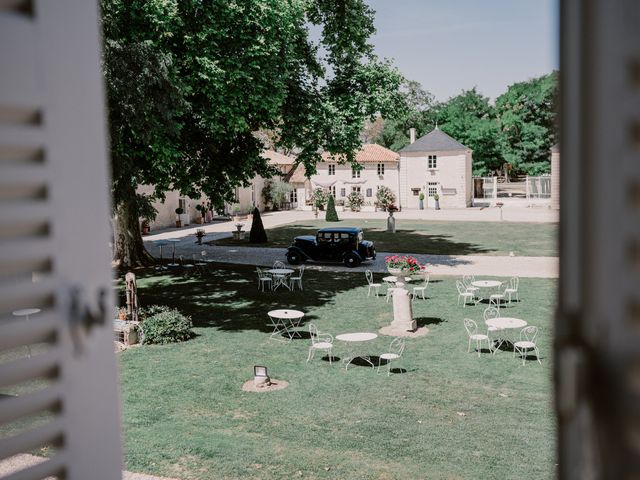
(412, 135)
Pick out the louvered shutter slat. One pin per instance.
(43, 400)
(37, 366)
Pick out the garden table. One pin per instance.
(485, 285)
(507, 325)
(26, 312)
(284, 321)
(354, 341)
(280, 276)
(173, 256)
(160, 244)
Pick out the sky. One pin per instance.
(451, 45)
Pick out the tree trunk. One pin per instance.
(128, 247)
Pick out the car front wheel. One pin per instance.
(294, 258)
(351, 260)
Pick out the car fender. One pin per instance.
(299, 251)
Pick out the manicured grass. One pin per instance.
(449, 415)
(437, 238)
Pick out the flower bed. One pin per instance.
(397, 264)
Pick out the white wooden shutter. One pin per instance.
(54, 236)
(597, 328)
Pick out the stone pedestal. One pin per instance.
(402, 311)
(391, 223)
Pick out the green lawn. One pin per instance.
(437, 238)
(449, 415)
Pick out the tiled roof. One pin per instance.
(434, 141)
(298, 175)
(275, 158)
(369, 153)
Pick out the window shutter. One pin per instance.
(58, 381)
(597, 336)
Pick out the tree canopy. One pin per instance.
(190, 84)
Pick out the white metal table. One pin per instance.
(507, 325)
(26, 313)
(280, 276)
(354, 341)
(284, 321)
(173, 255)
(481, 285)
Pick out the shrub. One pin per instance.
(257, 233)
(161, 324)
(280, 192)
(355, 200)
(331, 215)
(385, 196)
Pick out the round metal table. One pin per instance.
(353, 340)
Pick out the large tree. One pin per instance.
(527, 118)
(190, 83)
(470, 119)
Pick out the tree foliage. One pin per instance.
(190, 84)
(257, 233)
(332, 214)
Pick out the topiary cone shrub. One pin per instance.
(331, 215)
(257, 233)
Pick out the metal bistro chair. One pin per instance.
(467, 280)
(187, 268)
(279, 279)
(527, 342)
(463, 293)
(375, 286)
(472, 331)
(297, 279)
(498, 298)
(396, 349)
(422, 289)
(493, 332)
(319, 341)
(512, 289)
(264, 279)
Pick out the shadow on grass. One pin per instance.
(226, 296)
(424, 321)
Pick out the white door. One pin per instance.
(432, 189)
(58, 375)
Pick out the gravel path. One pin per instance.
(538, 267)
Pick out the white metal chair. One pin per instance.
(497, 299)
(264, 279)
(422, 289)
(396, 349)
(472, 331)
(512, 289)
(186, 267)
(463, 293)
(323, 342)
(467, 280)
(279, 264)
(297, 279)
(527, 342)
(493, 332)
(375, 286)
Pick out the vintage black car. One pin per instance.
(340, 244)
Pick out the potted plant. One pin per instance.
(236, 213)
(146, 228)
(179, 212)
(122, 314)
(199, 234)
(403, 266)
(355, 200)
(421, 200)
(385, 197)
(200, 209)
(436, 198)
(318, 198)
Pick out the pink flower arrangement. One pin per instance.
(403, 262)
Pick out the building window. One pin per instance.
(294, 196)
(433, 188)
(381, 169)
(369, 192)
(415, 191)
(355, 189)
(332, 169)
(182, 203)
(432, 161)
(333, 191)
(355, 173)
(343, 192)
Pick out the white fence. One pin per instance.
(532, 190)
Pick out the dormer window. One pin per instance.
(381, 169)
(332, 169)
